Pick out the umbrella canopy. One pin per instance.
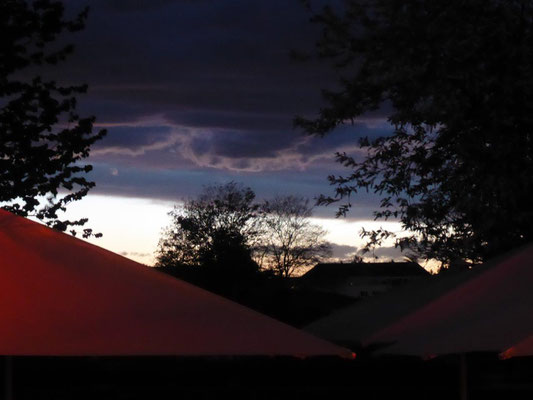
(356, 323)
(62, 296)
(520, 349)
(489, 312)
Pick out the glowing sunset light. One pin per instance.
(132, 226)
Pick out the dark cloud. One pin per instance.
(136, 5)
(344, 138)
(385, 254)
(200, 55)
(242, 144)
(176, 184)
(346, 253)
(238, 120)
(202, 91)
(134, 254)
(133, 137)
(160, 144)
(343, 252)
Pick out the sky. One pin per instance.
(197, 92)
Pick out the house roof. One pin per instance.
(338, 271)
(63, 296)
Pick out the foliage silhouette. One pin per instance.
(215, 231)
(290, 241)
(264, 292)
(457, 77)
(42, 138)
(212, 242)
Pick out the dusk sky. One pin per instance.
(199, 92)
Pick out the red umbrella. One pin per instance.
(62, 296)
(358, 322)
(521, 349)
(490, 312)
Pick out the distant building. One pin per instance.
(360, 279)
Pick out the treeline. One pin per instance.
(227, 242)
(225, 229)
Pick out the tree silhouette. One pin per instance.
(214, 231)
(42, 138)
(457, 77)
(290, 241)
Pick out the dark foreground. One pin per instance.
(266, 378)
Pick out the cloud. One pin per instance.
(166, 146)
(134, 140)
(202, 63)
(201, 91)
(346, 253)
(135, 254)
(384, 254)
(135, 5)
(223, 63)
(343, 252)
(218, 76)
